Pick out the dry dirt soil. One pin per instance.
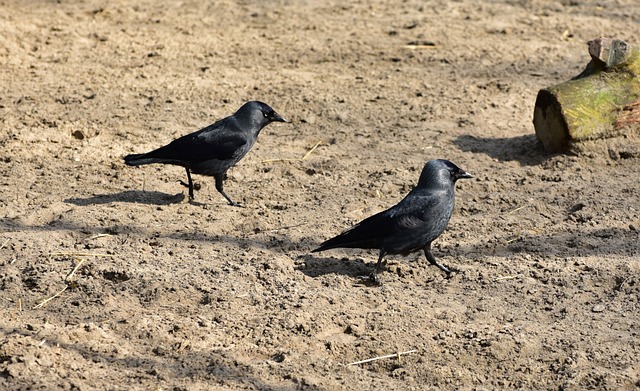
(110, 279)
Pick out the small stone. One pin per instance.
(597, 308)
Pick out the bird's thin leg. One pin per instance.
(189, 185)
(219, 187)
(191, 196)
(373, 277)
(432, 259)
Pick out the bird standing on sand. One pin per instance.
(413, 223)
(213, 150)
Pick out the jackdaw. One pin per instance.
(213, 150)
(413, 223)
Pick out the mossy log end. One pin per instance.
(602, 102)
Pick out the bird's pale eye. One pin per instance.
(266, 115)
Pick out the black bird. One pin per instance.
(213, 150)
(413, 223)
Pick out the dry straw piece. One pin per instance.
(76, 255)
(4, 244)
(383, 357)
(295, 160)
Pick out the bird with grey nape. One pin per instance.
(412, 224)
(213, 150)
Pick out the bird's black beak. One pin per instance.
(275, 117)
(464, 175)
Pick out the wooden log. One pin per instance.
(601, 102)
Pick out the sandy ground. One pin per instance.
(110, 279)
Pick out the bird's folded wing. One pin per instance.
(201, 146)
(220, 147)
(413, 211)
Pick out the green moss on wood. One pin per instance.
(589, 104)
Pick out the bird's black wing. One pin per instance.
(218, 141)
(410, 213)
(417, 221)
(414, 210)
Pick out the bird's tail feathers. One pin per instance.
(135, 159)
(367, 234)
(350, 239)
(138, 159)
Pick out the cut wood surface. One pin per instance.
(601, 102)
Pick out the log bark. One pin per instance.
(601, 102)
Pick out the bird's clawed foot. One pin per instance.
(196, 186)
(432, 260)
(443, 268)
(450, 272)
(370, 280)
(229, 200)
(233, 203)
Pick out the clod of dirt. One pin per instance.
(116, 277)
(78, 135)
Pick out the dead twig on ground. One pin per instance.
(81, 257)
(4, 244)
(503, 278)
(517, 209)
(419, 47)
(98, 236)
(79, 254)
(295, 160)
(75, 269)
(383, 357)
(279, 228)
(45, 301)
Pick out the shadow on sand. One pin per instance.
(131, 196)
(316, 266)
(525, 149)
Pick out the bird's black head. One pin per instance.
(440, 172)
(258, 114)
